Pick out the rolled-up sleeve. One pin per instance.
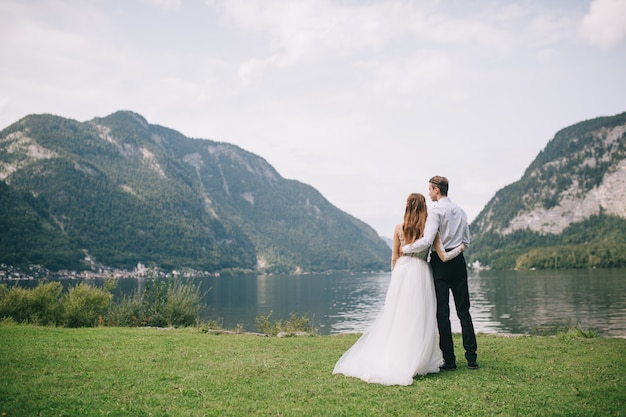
(466, 235)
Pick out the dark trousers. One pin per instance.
(452, 276)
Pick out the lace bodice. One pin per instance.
(421, 255)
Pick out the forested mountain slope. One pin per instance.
(567, 210)
(116, 191)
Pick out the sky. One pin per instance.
(364, 100)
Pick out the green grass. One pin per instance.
(104, 371)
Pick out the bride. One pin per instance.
(403, 341)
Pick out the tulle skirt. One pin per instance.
(403, 341)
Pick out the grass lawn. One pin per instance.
(105, 371)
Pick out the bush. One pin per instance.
(294, 325)
(127, 313)
(85, 306)
(41, 305)
(162, 304)
(565, 331)
(153, 301)
(14, 302)
(46, 306)
(183, 304)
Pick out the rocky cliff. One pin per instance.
(572, 199)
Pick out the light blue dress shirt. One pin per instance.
(450, 221)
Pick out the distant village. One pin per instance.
(37, 272)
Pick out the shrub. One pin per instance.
(153, 302)
(41, 305)
(163, 303)
(127, 313)
(565, 331)
(293, 325)
(14, 302)
(46, 307)
(183, 305)
(85, 305)
(265, 326)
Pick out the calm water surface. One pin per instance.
(506, 302)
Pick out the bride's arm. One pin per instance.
(446, 256)
(396, 252)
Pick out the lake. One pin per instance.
(504, 302)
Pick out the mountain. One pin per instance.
(567, 210)
(116, 191)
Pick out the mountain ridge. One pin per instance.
(575, 186)
(125, 191)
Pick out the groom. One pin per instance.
(451, 222)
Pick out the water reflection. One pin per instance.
(335, 303)
(356, 302)
(502, 302)
(513, 302)
(521, 301)
(481, 309)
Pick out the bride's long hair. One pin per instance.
(414, 217)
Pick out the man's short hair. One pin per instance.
(441, 183)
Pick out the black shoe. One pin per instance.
(448, 366)
(472, 365)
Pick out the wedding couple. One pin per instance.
(412, 334)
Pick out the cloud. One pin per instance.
(23, 36)
(166, 5)
(304, 30)
(301, 33)
(340, 94)
(605, 24)
(396, 46)
(410, 75)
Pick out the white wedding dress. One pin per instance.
(403, 341)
